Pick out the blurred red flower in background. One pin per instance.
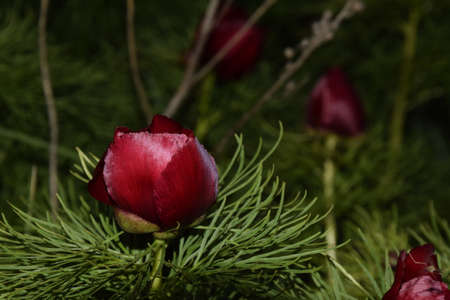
(417, 277)
(160, 174)
(334, 106)
(243, 56)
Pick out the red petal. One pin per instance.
(163, 124)
(133, 164)
(399, 274)
(187, 187)
(422, 261)
(121, 129)
(96, 185)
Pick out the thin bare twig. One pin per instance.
(323, 31)
(134, 65)
(224, 7)
(51, 108)
(194, 58)
(189, 82)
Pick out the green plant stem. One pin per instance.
(205, 113)
(400, 102)
(34, 142)
(32, 194)
(328, 191)
(160, 254)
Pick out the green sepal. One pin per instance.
(132, 223)
(197, 221)
(165, 235)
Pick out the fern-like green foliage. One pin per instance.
(367, 174)
(370, 258)
(437, 232)
(253, 242)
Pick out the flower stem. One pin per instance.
(328, 190)
(401, 99)
(160, 253)
(205, 111)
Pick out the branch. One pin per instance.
(51, 109)
(193, 60)
(323, 31)
(134, 66)
(189, 82)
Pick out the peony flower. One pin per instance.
(417, 277)
(334, 106)
(157, 178)
(244, 54)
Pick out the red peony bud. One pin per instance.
(246, 51)
(334, 106)
(156, 179)
(417, 277)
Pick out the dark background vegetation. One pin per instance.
(94, 93)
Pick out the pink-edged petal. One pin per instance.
(423, 288)
(399, 275)
(163, 124)
(187, 187)
(133, 163)
(96, 185)
(422, 261)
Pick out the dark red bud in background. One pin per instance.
(160, 174)
(334, 106)
(417, 276)
(243, 56)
